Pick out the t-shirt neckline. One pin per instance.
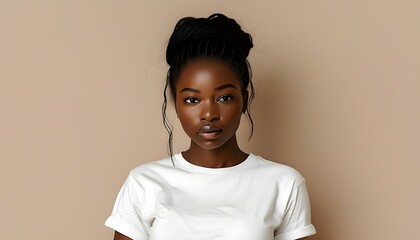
(195, 168)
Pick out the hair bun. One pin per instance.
(217, 28)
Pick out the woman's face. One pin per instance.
(209, 102)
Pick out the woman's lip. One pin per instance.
(210, 135)
(209, 129)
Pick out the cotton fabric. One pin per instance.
(255, 200)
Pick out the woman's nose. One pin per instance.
(209, 111)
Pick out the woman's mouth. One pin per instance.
(209, 128)
(209, 131)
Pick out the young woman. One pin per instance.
(213, 190)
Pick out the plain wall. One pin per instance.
(338, 98)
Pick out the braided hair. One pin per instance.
(216, 37)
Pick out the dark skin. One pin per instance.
(208, 93)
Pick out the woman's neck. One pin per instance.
(225, 156)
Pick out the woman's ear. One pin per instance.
(245, 101)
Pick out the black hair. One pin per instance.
(216, 37)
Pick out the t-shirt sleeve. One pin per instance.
(296, 222)
(126, 217)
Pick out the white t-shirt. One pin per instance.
(254, 200)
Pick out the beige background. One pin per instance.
(338, 98)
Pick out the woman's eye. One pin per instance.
(191, 100)
(225, 98)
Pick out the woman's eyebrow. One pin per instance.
(216, 89)
(225, 86)
(190, 90)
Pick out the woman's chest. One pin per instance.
(211, 223)
(213, 210)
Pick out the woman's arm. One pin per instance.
(119, 236)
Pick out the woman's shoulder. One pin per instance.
(279, 170)
(163, 164)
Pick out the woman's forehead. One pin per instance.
(207, 72)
